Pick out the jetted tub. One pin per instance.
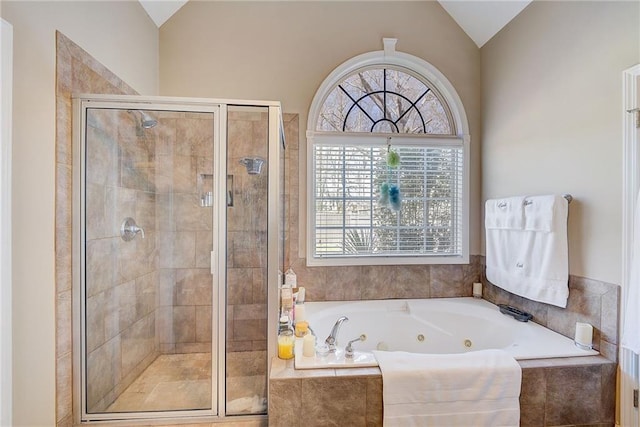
(434, 326)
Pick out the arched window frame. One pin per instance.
(445, 91)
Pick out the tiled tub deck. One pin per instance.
(555, 392)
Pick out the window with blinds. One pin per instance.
(351, 218)
(363, 209)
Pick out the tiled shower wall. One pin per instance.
(184, 172)
(247, 233)
(76, 72)
(128, 333)
(121, 277)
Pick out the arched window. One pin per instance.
(385, 100)
(387, 165)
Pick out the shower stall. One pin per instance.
(178, 246)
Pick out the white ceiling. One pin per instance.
(480, 19)
(161, 10)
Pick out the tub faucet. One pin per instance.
(332, 339)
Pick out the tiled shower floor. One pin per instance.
(171, 382)
(183, 381)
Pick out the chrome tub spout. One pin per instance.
(332, 339)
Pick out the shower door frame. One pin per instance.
(219, 108)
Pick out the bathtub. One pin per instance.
(435, 326)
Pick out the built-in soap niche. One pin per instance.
(205, 189)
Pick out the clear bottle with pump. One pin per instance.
(286, 339)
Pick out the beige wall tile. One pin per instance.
(339, 401)
(184, 323)
(567, 402)
(193, 347)
(100, 266)
(259, 285)
(77, 72)
(102, 372)
(249, 330)
(64, 385)
(63, 323)
(167, 286)
(125, 295)
(239, 286)
(164, 327)
(374, 410)
(285, 401)
(248, 248)
(204, 246)
(177, 249)
(63, 259)
(189, 215)
(203, 324)
(193, 287)
(447, 281)
(138, 342)
(184, 176)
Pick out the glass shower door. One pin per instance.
(247, 259)
(148, 290)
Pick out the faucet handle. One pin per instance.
(129, 229)
(349, 352)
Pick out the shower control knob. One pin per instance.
(129, 229)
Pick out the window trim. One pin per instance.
(390, 57)
(412, 64)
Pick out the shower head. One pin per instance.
(253, 164)
(146, 121)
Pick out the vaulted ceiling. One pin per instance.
(480, 19)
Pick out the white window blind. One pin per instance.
(350, 221)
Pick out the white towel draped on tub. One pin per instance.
(532, 261)
(480, 388)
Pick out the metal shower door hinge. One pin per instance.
(635, 398)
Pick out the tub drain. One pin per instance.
(420, 337)
(468, 343)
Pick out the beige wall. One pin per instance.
(123, 38)
(551, 111)
(284, 50)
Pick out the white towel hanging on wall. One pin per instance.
(505, 213)
(531, 261)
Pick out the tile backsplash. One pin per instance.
(590, 301)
